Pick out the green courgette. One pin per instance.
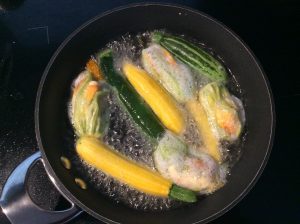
(190, 54)
(140, 112)
(182, 194)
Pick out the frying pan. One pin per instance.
(50, 113)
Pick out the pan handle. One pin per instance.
(17, 205)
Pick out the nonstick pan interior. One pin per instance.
(70, 59)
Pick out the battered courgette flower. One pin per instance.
(85, 106)
(175, 77)
(223, 112)
(188, 167)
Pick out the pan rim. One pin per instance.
(61, 187)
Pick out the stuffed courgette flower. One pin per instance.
(187, 167)
(173, 75)
(224, 112)
(85, 106)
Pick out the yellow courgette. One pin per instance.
(94, 152)
(114, 164)
(209, 140)
(160, 101)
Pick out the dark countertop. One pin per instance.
(30, 33)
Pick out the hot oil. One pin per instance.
(124, 136)
(129, 47)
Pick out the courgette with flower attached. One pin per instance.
(186, 166)
(139, 111)
(192, 55)
(174, 76)
(224, 114)
(160, 101)
(94, 152)
(178, 80)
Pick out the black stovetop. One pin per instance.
(30, 32)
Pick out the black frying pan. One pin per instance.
(70, 59)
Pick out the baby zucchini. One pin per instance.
(118, 166)
(192, 55)
(210, 141)
(139, 111)
(160, 101)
